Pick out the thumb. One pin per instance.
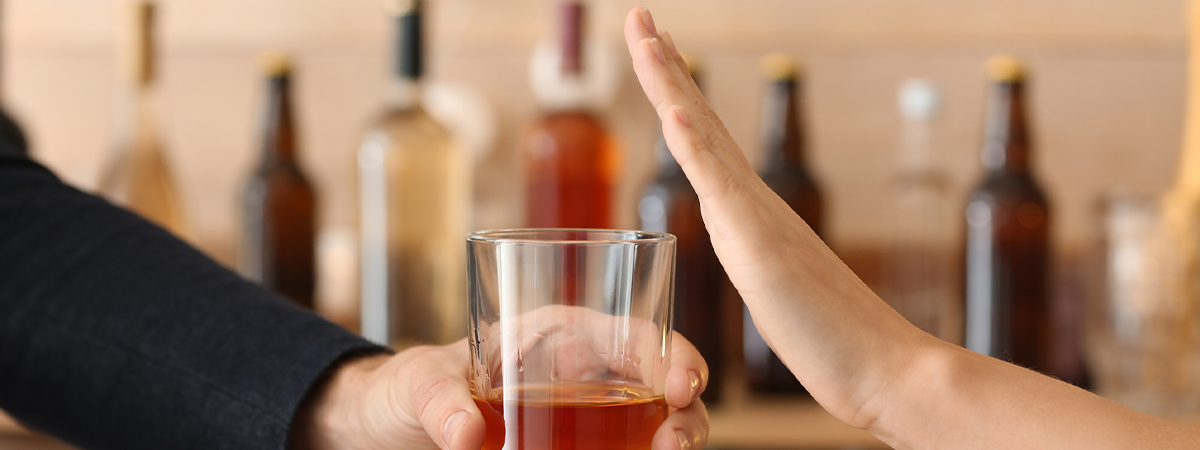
(441, 399)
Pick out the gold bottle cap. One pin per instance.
(276, 63)
(692, 64)
(778, 66)
(1005, 68)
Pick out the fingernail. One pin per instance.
(656, 47)
(685, 442)
(648, 21)
(683, 120)
(453, 424)
(694, 379)
(669, 42)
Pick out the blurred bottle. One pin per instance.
(279, 218)
(11, 134)
(415, 189)
(785, 172)
(919, 267)
(1007, 252)
(670, 205)
(1181, 209)
(138, 175)
(571, 159)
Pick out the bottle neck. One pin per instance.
(279, 142)
(571, 17)
(1006, 138)
(408, 65)
(1189, 165)
(783, 139)
(914, 147)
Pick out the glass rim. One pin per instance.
(532, 236)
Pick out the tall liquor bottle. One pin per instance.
(138, 174)
(670, 205)
(11, 134)
(1181, 207)
(415, 185)
(571, 160)
(920, 262)
(1008, 310)
(278, 203)
(785, 172)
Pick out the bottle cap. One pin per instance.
(778, 66)
(1005, 68)
(400, 7)
(276, 63)
(918, 99)
(141, 38)
(692, 64)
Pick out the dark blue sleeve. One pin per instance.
(116, 335)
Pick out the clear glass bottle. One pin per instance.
(138, 175)
(919, 269)
(414, 184)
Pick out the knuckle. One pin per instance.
(426, 393)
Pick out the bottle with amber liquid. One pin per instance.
(414, 187)
(279, 218)
(786, 172)
(570, 158)
(11, 134)
(138, 175)
(670, 205)
(1007, 251)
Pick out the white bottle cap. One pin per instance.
(918, 99)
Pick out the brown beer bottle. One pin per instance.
(570, 158)
(1008, 310)
(785, 172)
(671, 205)
(278, 204)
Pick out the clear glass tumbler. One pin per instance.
(570, 336)
(1141, 326)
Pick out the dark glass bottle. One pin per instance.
(1008, 310)
(670, 205)
(786, 173)
(570, 158)
(278, 203)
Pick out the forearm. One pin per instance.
(114, 334)
(951, 398)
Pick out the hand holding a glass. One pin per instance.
(570, 348)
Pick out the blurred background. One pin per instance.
(1105, 106)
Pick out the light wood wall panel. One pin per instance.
(1107, 88)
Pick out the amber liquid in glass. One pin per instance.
(586, 417)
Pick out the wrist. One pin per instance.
(328, 418)
(924, 371)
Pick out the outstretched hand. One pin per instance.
(796, 289)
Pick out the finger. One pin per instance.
(666, 82)
(441, 397)
(688, 375)
(675, 56)
(686, 429)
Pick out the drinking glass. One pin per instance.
(1140, 330)
(570, 336)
